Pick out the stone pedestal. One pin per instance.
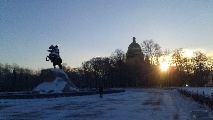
(55, 81)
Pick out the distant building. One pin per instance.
(134, 53)
(136, 66)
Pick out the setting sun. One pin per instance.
(164, 66)
(165, 62)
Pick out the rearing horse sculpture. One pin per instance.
(56, 60)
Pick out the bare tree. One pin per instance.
(200, 67)
(151, 50)
(118, 55)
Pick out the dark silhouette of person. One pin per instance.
(101, 91)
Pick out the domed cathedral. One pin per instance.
(134, 53)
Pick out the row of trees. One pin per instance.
(113, 71)
(193, 70)
(15, 78)
(107, 71)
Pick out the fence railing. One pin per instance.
(200, 98)
(55, 95)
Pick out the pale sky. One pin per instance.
(84, 29)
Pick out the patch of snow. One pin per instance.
(73, 89)
(138, 104)
(200, 90)
(56, 86)
(56, 71)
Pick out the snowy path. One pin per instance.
(137, 104)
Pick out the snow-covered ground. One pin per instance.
(206, 90)
(137, 104)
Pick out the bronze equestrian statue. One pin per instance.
(54, 56)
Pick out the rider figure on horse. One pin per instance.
(54, 56)
(54, 51)
(57, 50)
